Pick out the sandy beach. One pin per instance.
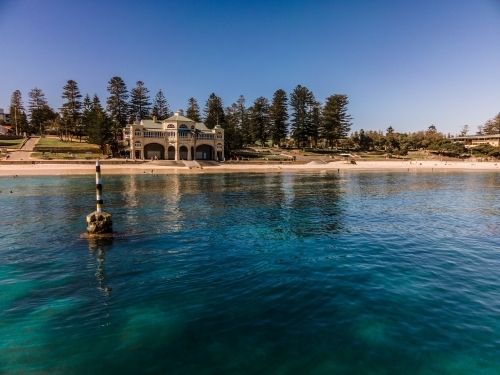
(235, 167)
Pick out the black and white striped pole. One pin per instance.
(98, 186)
(99, 222)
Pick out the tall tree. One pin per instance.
(16, 111)
(336, 122)
(117, 104)
(193, 110)
(139, 101)
(99, 124)
(278, 115)
(36, 105)
(492, 126)
(213, 111)
(259, 120)
(243, 117)
(232, 135)
(161, 109)
(86, 114)
(316, 115)
(71, 109)
(464, 130)
(301, 99)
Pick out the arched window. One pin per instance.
(219, 145)
(137, 132)
(170, 126)
(137, 144)
(192, 127)
(183, 126)
(219, 135)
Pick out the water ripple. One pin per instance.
(316, 273)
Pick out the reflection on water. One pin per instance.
(98, 248)
(278, 273)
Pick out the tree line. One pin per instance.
(265, 122)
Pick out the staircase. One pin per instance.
(207, 163)
(191, 164)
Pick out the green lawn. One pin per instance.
(57, 143)
(65, 155)
(11, 143)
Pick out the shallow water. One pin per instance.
(286, 273)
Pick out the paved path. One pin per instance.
(24, 152)
(28, 146)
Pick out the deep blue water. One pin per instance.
(286, 273)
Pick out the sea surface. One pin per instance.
(277, 273)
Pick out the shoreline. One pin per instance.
(146, 168)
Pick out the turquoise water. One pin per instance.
(286, 273)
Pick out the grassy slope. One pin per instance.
(57, 143)
(11, 143)
(62, 155)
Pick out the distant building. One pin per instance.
(176, 138)
(4, 116)
(476, 140)
(5, 130)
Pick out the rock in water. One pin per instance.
(99, 223)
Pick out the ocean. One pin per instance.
(252, 273)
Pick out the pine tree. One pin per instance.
(301, 100)
(117, 104)
(278, 115)
(99, 125)
(161, 109)
(244, 130)
(214, 111)
(71, 109)
(16, 111)
(316, 122)
(86, 114)
(193, 110)
(259, 120)
(232, 135)
(336, 122)
(36, 104)
(139, 101)
(23, 125)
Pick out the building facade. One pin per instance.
(176, 138)
(4, 116)
(476, 140)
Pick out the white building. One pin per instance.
(176, 138)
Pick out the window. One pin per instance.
(192, 127)
(137, 132)
(183, 126)
(170, 126)
(219, 146)
(171, 134)
(183, 135)
(137, 144)
(219, 135)
(149, 134)
(205, 136)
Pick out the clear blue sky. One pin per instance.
(405, 64)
